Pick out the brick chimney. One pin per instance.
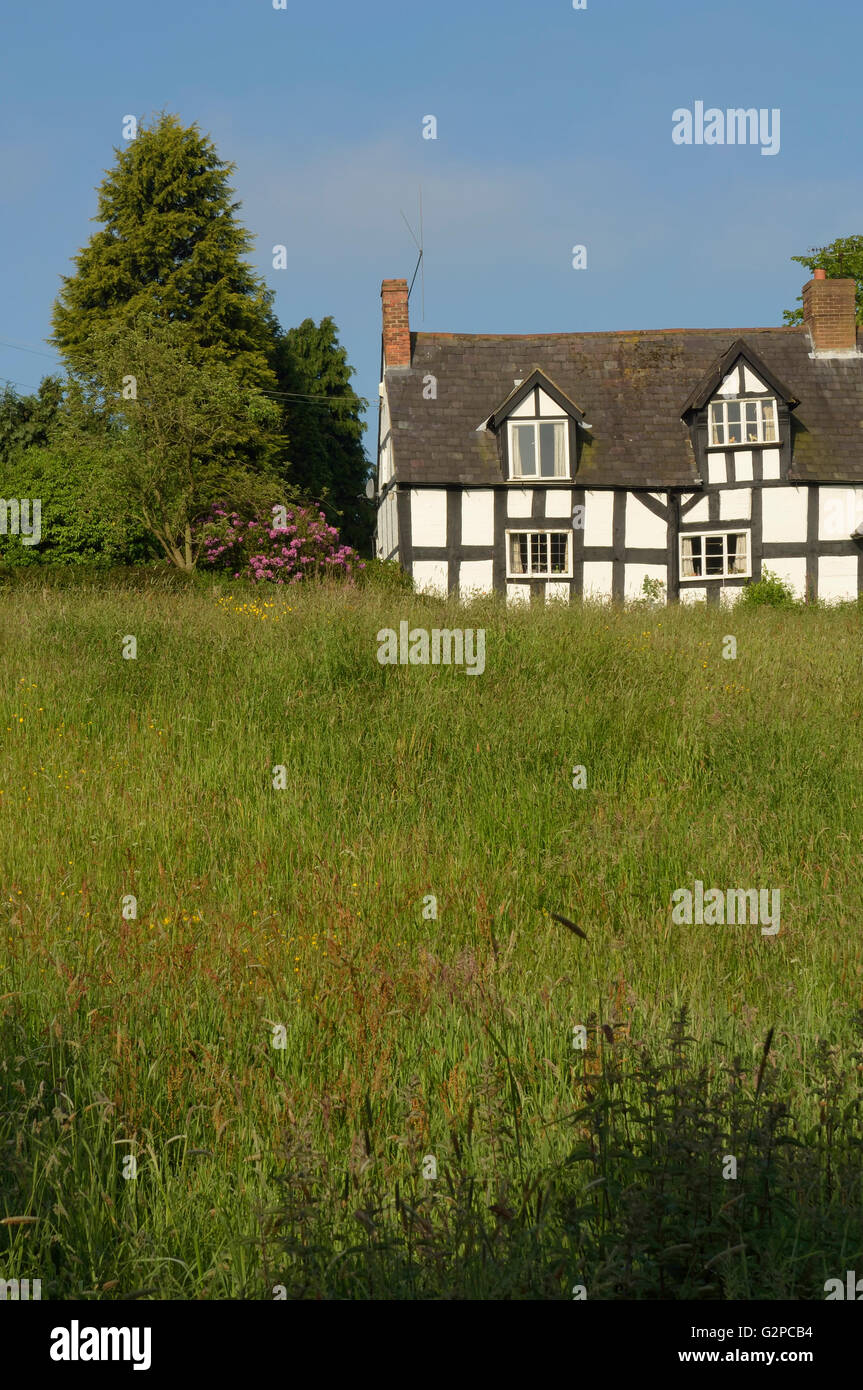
(830, 313)
(397, 333)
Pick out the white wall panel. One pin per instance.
(431, 576)
(477, 517)
(428, 516)
(644, 528)
(783, 512)
(598, 518)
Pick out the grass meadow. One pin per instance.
(295, 916)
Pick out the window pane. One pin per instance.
(549, 432)
(735, 435)
(524, 451)
(518, 554)
(737, 554)
(538, 553)
(717, 429)
(714, 550)
(769, 421)
(559, 546)
(552, 449)
(691, 557)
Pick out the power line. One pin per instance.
(22, 347)
(28, 386)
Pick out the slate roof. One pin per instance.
(632, 388)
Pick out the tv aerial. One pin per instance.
(420, 265)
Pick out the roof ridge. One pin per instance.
(616, 332)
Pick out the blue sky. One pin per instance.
(553, 129)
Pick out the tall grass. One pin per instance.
(408, 1035)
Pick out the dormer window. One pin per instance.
(539, 449)
(743, 422)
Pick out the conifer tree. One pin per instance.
(322, 421)
(170, 244)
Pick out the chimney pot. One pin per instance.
(820, 273)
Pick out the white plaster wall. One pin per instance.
(525, 410)
(743, 466)
(783, 511)
(517, 593)
(735, 504)
(643, 527)
(598, 518)
(477, 517)
(386, 453)
(428, 516)
(558, 502)
(431, 576)
(731, 384)
(770, 464)
(837, 577)
(475, 577)
(387, 526)
(840, 511)
(699, 513)
(793, 571)
(597, 577)
(716, 469)
(751, 382)
(519, 501)
(692, 595)
(547, 406)
(555, 592)
(634, 576)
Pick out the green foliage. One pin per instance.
(386, 577)
(171, 246)
(79, 524)
(769, 591)
(26, 421)
(842, 259)
(653, 590)
(323, 428)
(170, 431)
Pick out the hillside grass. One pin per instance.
(300, 1168)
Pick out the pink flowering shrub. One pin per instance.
(261, 549)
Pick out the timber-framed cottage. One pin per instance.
(547, 466)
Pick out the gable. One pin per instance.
(738, 372)
(536, 397)
(742, 381)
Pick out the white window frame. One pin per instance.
(541, 479)
(726, 573)
(537, 574)
(743, 401)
